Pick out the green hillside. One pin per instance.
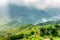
(32, 32)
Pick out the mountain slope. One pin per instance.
(32, 32)
(29, 15)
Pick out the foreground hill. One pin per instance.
(32, 32)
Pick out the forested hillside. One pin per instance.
(32, 32)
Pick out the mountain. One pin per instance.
(53, 11)
(29, 15)
(50, 22)
(22, 15)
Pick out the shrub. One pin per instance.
(20, 36)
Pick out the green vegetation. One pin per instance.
(32, 32)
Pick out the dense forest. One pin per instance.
(41, 31)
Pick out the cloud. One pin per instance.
(17, 2)
(3, 2)
(35, 4)
(29, 3)
(44, 19)
(52, 3)
(39, 4)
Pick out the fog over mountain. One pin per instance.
(29, 11)
(28, 15)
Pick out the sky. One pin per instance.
(52, 7)
(43, 4)
(38, 4)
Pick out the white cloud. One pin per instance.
(29, 3)
(17, 2)
(52, 3)
(3, 2)
(39, 4)
(42, 4)
(35, 4)
(44, 19)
